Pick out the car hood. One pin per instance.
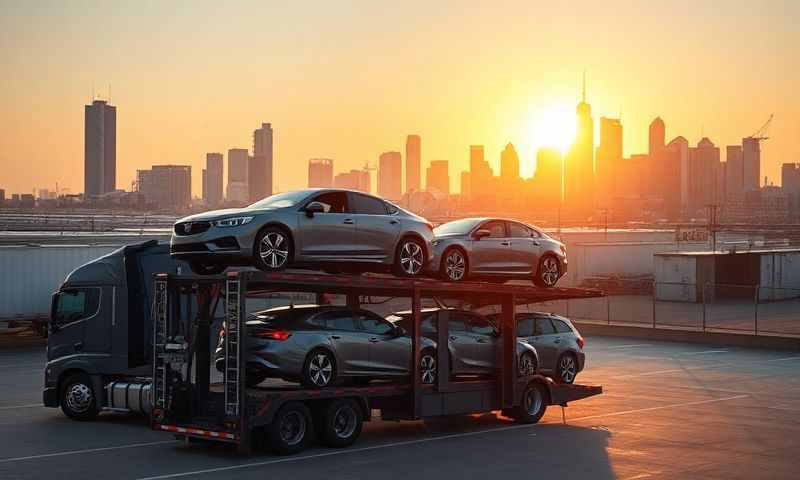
(447, 236)
(225, 213)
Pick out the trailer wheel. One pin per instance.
(340, 423)
(533, 404)
(290, 430)
(78, 400)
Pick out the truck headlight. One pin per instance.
(233, 222)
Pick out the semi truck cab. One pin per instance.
(99, 348)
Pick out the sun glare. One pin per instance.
(553, 126)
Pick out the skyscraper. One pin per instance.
(413, 163)
(320, 173)
(260, 168)
(548, 176)
(389, 176)
(751, 164)
(166, 186)
(509, 165)
(734, 172)
(657, 136)
(438, 177)
(99, 148)
(608, 159)
(237, 175)
(480, 173)
(579, 166)
(670, 176)
(704, 168)
(213, 179)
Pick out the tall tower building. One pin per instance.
(751, 164)
(671, 177)
(389, 176)
(704, 168)
(657, 136)
(480, 173)
(238, 191)
(213, 179)
(260, 168)
(413, 163)
(99, 148)
(734, 172)
(548, 176)
(579, 167)
(608, 159)
(438, 177)
(509, 165)
(320, 173)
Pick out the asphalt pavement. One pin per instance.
(669, 410)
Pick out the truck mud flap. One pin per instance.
(562, 394)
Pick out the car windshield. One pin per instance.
(281, 200)
(456, 227)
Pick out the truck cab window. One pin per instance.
(76, 304)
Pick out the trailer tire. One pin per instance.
(340, 423)
(532, 405)
(77, 397)
(290, 430)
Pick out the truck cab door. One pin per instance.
(70, 310)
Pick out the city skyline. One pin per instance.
(174, 109)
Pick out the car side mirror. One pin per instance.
(482, 233)
(314, 208)
(399, 331)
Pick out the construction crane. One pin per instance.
(761, 133)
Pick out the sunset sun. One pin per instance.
(553, 125)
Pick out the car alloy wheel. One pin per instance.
(274, 250)
(411, 258)
(549, 271)
(455, 265)
(527, 365)
(567, 369)
(79, 397)
(320, 369)
(427, 367)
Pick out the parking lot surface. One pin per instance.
(669, 410)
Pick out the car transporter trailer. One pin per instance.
(188, 404)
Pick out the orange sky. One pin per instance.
(349, 80)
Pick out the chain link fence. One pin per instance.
(750, 309)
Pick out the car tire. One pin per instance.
(527, 364)
(319, 369)
(455, 265)
(428, 368)
(410, 257)
(206, 269)
(78, 400)
(566, 368)
(339, 423)
(548, 273)
(532, 405)
(290, 430)
(273, 249)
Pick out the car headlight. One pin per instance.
(233, 222)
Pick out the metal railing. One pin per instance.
(750, 309)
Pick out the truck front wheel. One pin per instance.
(78, 400)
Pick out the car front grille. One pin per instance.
(191, 228)
(188, 247)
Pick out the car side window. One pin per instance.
(374, 324)
(337, 320)
(333, 202)
(544, 327)
(366, 205)
(561, 326)
(76, 304)
(456, 322)
(525, 327)
(497, 229)
(479, 325)
(517, 230)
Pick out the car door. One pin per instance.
(490, 254)
(486, 342)
(376, 230)
(524, 248)
(389, 353)
(328, 235)
(349, 342)
(462, 343)
(544, 336)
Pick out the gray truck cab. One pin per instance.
(99, 348)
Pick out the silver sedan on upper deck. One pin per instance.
(328, 228)
(497, 249)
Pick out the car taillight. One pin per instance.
(279, 335)
(580, 342)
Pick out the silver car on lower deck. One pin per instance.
(497, 249)
(340, 229)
